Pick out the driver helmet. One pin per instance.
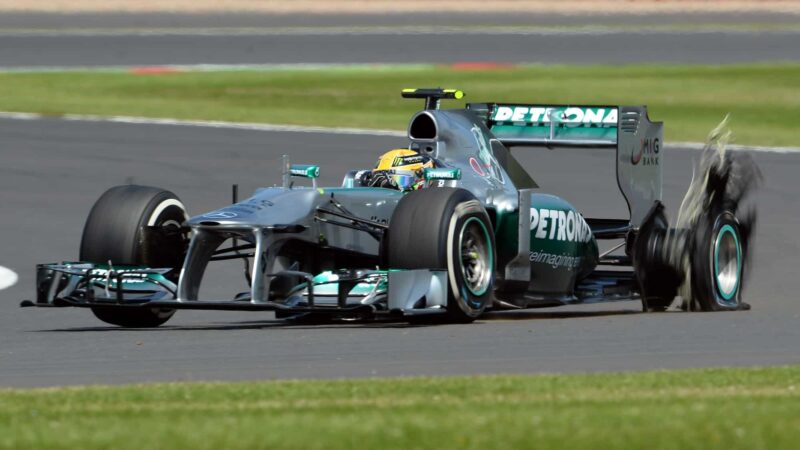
(401, 168)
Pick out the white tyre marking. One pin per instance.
(164, 205)
(7, 277)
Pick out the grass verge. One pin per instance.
(763, 100)
(713, 408)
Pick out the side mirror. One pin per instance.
(305, 171)
(442, 177)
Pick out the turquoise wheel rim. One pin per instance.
(475, 256)
(727, 263)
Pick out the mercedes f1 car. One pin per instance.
(465, 230)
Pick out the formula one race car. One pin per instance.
(450, 226)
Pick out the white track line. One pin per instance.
(7, 277)
(309, 129)
(201, 123)
(203, 67)
(735, 147)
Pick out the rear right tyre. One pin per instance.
(717, 264)
(658, 280)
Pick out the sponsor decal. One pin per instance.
(442, 174)
(131, 278)
(545, 114)
(568, 262)
(406, 160)
(476, 167)
(487, 160)
(304, 171)
(221, 215)
(647, 153)
(558, 225)
(250, 206)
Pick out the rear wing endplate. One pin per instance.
(628, 129)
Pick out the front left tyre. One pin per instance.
(120, 229)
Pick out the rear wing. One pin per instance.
(628, 129)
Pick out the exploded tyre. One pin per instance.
(717, 263)
(704, 264)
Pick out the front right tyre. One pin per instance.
(117, 231)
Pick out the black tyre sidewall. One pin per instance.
(114, 231)
(422, 235)
(657, 286)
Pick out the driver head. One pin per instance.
(403, 159)
(401, 168)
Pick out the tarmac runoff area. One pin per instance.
(54, 169)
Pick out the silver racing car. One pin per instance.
(449, 226)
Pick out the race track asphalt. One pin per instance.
(16, 20)
(46, 40)
(53, 170)
(388, 48)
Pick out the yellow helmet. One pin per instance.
(399, 169)
(403, 159)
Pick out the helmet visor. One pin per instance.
(403, 179)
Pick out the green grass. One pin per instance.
(763, 100)
(692, 409)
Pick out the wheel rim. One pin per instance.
(727, 263)
(475, 256)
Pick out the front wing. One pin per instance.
(393, 292)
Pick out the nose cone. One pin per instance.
(221, 217)
(271, 206)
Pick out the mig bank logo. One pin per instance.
(648, 152)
